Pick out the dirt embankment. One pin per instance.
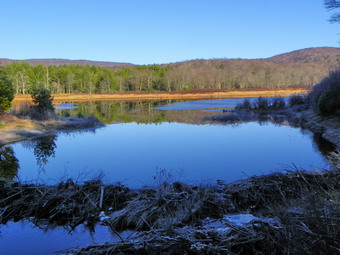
(13, 129)
(328, 127)
(175, 95)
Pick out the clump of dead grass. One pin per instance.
(64, 204)
(168, 205)
(294, 213)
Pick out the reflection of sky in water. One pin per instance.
(66, 106)
(206, 104)
(24, 238)
(132, 153)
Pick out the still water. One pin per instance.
(141, 140)
(17, 238)
(147, 137)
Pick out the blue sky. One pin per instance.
(161, 31)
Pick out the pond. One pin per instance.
(31, 238)
(145, 143)
(143, 139)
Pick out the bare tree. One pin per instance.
(331, 5)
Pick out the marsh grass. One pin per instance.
(296, 213)
(174, 95)
(165, 206)
(67, 203)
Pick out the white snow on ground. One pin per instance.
(240, 219)
(224, 224)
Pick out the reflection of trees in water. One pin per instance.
(9, 164)
(43, 148)
(136, 111)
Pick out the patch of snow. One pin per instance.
(103, 216)
(240, 219)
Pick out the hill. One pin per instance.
(326, 56)
(59, 62)
(329, 56)
(301, 68)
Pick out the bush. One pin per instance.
(297, 100)
(6, 92)
(43, 101)
(278, 103)
(329, 101)
(246, 105)
(325, 96)
(261, 104)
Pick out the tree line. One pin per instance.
(189, 75)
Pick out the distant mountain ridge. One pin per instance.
(301, 68)
(326, 56)
(59, 62)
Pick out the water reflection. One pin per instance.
(142, 112)
(237, 118)
(9, 164)
(130, 151)
(25, 237)
(43, 149)
(322, 145)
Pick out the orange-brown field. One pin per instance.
(187, 95)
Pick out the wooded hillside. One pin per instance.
(302, 68)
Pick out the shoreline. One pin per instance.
(175, 95)
(329, 128)
(28, 129)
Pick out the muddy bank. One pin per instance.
(15, 129)
(295, 213)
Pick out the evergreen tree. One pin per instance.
(6, 91)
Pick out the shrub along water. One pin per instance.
(41, 109)
(325, 96)
(263, 104)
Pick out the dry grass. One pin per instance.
(195, 95)
(13, 129)
(66, 204)
(294, 213)
(9, 122)
(297, 213)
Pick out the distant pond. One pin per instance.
(143, 139)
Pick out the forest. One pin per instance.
(302, 68)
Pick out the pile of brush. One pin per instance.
(64, 204)
(292, 213)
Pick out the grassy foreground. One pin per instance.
(124, 96)
(293, 213)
